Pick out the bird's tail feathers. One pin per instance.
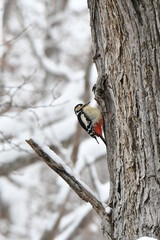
(103, 140)
(96, 140)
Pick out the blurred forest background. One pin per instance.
(46, 69)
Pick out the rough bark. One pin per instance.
(126, 51)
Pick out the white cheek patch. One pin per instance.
(84, 119)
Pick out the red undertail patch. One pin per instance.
(98, 128)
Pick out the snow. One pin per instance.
(82, 212)
(1, 27)
(18, 202)
(77, 6)
(147, 238)
(88, 152)
(42, 79)
(59, 161)
(108, 210)
(54, 157)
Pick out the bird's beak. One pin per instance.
(86, 104)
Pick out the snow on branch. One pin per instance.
(57, 164)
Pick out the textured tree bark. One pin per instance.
(126, 51)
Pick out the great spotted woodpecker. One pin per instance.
(90, 118)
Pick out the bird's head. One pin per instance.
(79, 107)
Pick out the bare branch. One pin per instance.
(16, 37)
(19, 163)
(76, 144)
(65, 172)
(50, 234)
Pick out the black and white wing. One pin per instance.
(86, 123)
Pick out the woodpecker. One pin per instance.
(90, 118)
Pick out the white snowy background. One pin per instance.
(46, 69)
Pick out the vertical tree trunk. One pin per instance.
(126, 51)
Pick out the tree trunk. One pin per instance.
(126, 51)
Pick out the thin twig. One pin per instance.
(16, 37)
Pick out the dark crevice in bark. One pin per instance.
(136, 6)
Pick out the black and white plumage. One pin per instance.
(86, 123)
(90, 119)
